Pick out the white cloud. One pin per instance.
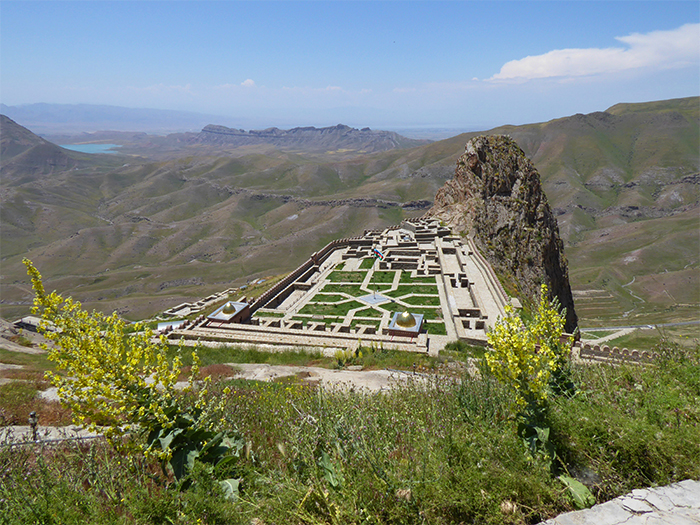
(248, 83)
(658, 49)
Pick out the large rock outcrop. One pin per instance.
(496, 197)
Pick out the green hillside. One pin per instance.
(142, 232)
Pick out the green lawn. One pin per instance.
(428, 313)
(368, 312)
(365, 322)
(430, 300)
(405, 289)
(383, 277)
(330, 309)
(367, 263)
(327, 298)
(341, 276)
(406, 278)
(350, 289)
(435, 328)
(327, 319)
(258, 313)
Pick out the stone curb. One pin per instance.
(676, 504)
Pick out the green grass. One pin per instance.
(643, 339)
(328, 298)
(432, 450)
(234, 354)
(460, 350)
(350, 289)
(367, 263)
(437, 451)
(346, 277)
(258, 313)
(368, 312)
(383, 277)
(633, 425)
(377, 357)
(407, 279)
(16, 400)
(34, 362)
(365, 322)
(432, 300)
(435, 328)
(428, 313)
(318, 318)
(330, 309)
(405, 289)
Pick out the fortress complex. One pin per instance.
(411, 287)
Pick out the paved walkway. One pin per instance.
(677, 504)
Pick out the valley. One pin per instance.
(168, 219)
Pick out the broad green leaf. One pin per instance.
(231, 487)
(581, 496)
(330, 472)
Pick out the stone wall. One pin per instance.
(605, 353)
(316, 259)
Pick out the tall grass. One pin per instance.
(437, 449)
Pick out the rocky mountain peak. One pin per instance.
(496, 197)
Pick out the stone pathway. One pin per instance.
(677, 504)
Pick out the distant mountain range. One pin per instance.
(340, 140)
(333, 138)
(175, 217)
(75, 118)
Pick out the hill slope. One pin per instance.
(23, 153)
(623, 185)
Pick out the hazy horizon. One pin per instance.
(390, 65)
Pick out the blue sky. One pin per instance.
(457, 64)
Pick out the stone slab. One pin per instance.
(676, 504)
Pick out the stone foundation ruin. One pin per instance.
(347, 294)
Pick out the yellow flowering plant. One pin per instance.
(529, 357)
(524, 356)
(119, 384)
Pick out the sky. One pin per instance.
(399, 64)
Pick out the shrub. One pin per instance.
(524, 356)
(126, 384)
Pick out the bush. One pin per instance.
(126, 385)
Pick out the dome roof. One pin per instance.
(229, 308)
(406, 320)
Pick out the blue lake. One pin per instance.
(92, 148)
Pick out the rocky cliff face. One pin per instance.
(496, 197)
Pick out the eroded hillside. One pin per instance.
(138, 234)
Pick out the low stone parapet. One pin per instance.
(606, 353)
